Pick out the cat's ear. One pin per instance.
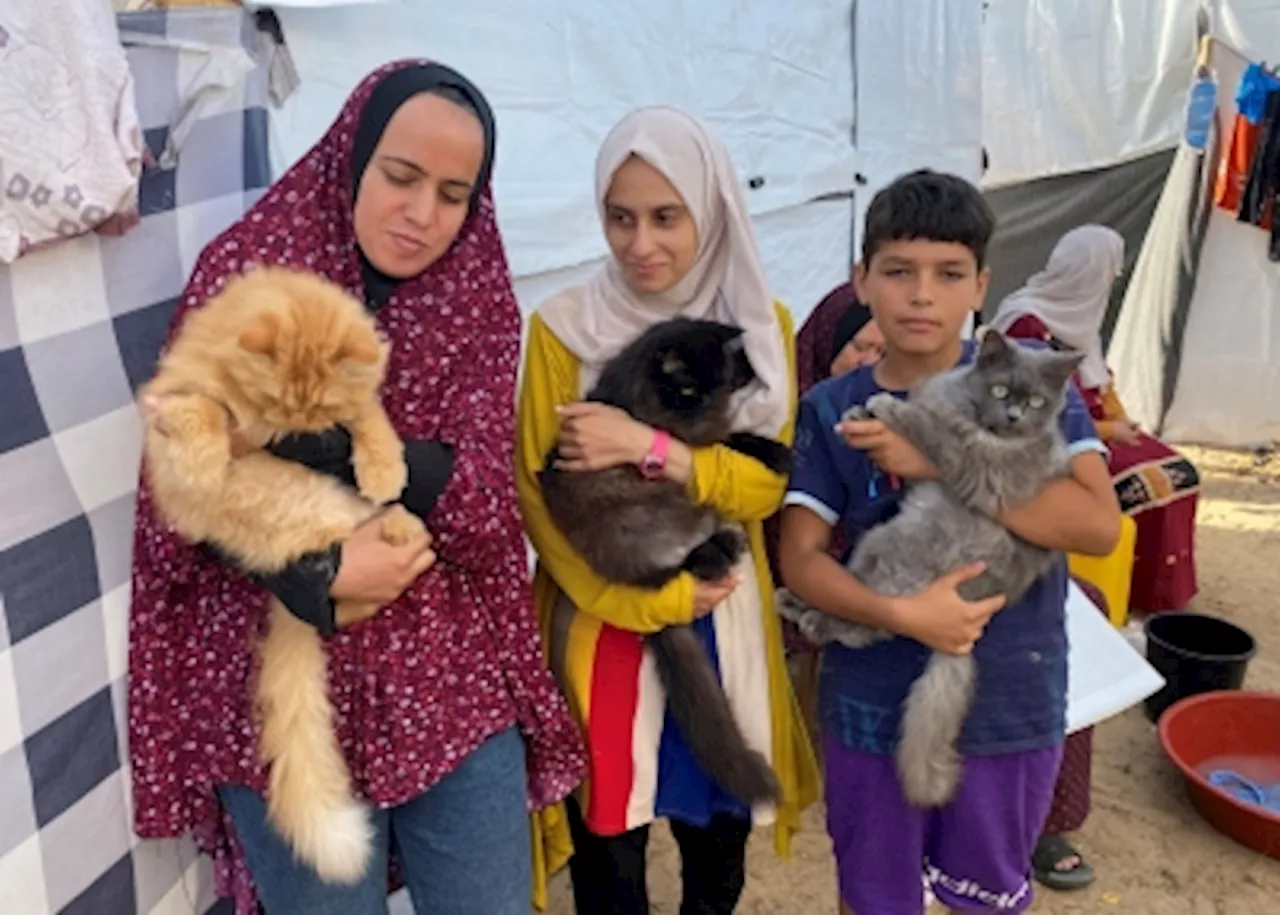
(262, 335)
(994, 347)
(1057, 366)
(358, 346)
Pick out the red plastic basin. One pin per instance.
(1228, 730)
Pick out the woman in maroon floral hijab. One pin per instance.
(449, 720)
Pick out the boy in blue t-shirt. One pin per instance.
(922, 274)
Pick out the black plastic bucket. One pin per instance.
(1195, 653)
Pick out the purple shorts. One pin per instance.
(974, 854)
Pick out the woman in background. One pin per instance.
(1064, 305)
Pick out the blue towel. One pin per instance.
(1241, 788)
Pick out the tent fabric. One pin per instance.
(1196, 349)
(1031, 217)
(80, 328)
(774, 80)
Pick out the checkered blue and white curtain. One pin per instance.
(80, 328)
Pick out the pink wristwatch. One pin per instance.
(654, 464)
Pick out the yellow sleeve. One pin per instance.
(741, 488)
(550, 380)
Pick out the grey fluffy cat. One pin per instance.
(990, 429)
(680, 376)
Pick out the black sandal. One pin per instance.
(1046, 864)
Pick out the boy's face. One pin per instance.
(921, 292)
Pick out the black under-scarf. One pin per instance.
(395, 89)
(855, 317)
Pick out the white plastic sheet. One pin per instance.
(1071, 85)
(1105, 674)
(919, 91)
(774, 80)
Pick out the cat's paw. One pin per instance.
(717, 556)
(349, 612)
(788, 606)
(196, 439)
(815, 626)
(398, 526)
(881, 405)
(381, 474)
(856, 414)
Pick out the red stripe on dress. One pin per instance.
(615, 694)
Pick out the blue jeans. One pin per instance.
(463, 847)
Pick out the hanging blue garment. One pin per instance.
(1252, 91)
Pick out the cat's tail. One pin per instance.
(309, 796)
(929, 765)
(701, 711)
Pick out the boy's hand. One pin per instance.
(893, 453)
(943, 620)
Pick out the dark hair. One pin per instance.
(931, 206)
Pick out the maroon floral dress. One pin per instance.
(458, 657)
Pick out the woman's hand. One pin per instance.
(1126, 432)
(891, 452)
(707, 595)
(596, 436)
(373, 571)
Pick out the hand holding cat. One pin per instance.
(707, 595)
(1126, 432)
(943, 620)
(375, 571)
(891, 452)
(596, 436)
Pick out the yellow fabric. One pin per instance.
(1111, 574)
(741, 489)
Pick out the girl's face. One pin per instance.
(649, 228)
(413, 197)
(866, 348)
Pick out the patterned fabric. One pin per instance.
(67, 174)
(455, 659)
(80, 327)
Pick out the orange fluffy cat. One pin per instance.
(278, 352)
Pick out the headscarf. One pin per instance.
(726, 282)
(855, 317)
(385, 100)
(1071, 294)
(815, 343)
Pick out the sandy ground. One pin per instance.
(1153, 853)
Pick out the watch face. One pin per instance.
(651, 466)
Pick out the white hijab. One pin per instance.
(1070, 295)
(726, 283)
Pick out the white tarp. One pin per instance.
(1233, 323)
(1073, 85)
(919, 91)
(775, 80)
(1070, 85)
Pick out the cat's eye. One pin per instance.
(999, 391)
(688, 390)
(1036, 402)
